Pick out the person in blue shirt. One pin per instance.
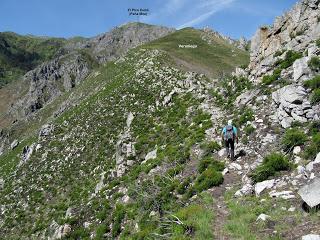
(229, 136)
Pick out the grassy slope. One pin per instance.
(68, 175)
(51, 184)
(212, 59)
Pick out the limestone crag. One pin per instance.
(296, 30)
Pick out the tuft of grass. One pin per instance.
(314, 64)
(210, 147)
(313, 83)
(293, 137)
(249, 129)
(196, 223)
(315, 97)
(314, 148)
(272, 163)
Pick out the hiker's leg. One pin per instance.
(232, 149)
(227, 147)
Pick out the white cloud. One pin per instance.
(214, 7)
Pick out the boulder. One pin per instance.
(262, 217)
(151, 155)
(14, 144)
(310, 193)
(247, 189)
(261, 186)
(291, 94)
(46, 130)
(246, 97)
(301, 69)
(311, 237)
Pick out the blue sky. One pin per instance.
(67, 18)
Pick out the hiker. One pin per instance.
(229, 135)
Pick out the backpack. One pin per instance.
(229, 135)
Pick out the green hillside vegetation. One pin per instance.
(215, 59)
(19, 54)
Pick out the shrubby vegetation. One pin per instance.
(293, 137)
(314, 85)
(272, 164)
(314, 64)
(281, 64)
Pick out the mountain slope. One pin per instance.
(215, 58)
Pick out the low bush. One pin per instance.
(318, 43)
(249, 129)
(314, 127)
(293, 137)
(314, 63)
(315, 97)
(314, 148)
(272, 163)
(208, 178)
(182, 188)
(117, 217)
(205, 163)
(245, 116)
(313, 83)
(289, 59)
(210, 147)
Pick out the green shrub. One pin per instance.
(205, 163)
(182, 188)
(245, 116)
(208, 178)
(210, 147)
(289, 59)
(293, 137)
(100, 231)
(249, 129)
(318, 43)
(314, 148)
(314, 63)
(313, 83)
(117, 217)
(314, 127)
(278, 53)
(272, 163)
(315, 97)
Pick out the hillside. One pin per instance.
(123, 141)
(215, 58)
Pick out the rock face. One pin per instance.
(293, 105)
(75, 62)
(297, 29)
(117, 42)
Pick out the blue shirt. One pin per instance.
(224, 130)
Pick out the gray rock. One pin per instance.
(261, 186)
(301, 68)
(246, 97)
(46, 130)
(247, 189)
(1, 183)
(14, 144)
(262, 217)
(311, 237)
(291, 94)
(151, 155)
(310, 193)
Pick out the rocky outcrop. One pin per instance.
(116, 43)
(296, 30)
(293, 105)
(51, 79)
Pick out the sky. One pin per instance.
(88, 18)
